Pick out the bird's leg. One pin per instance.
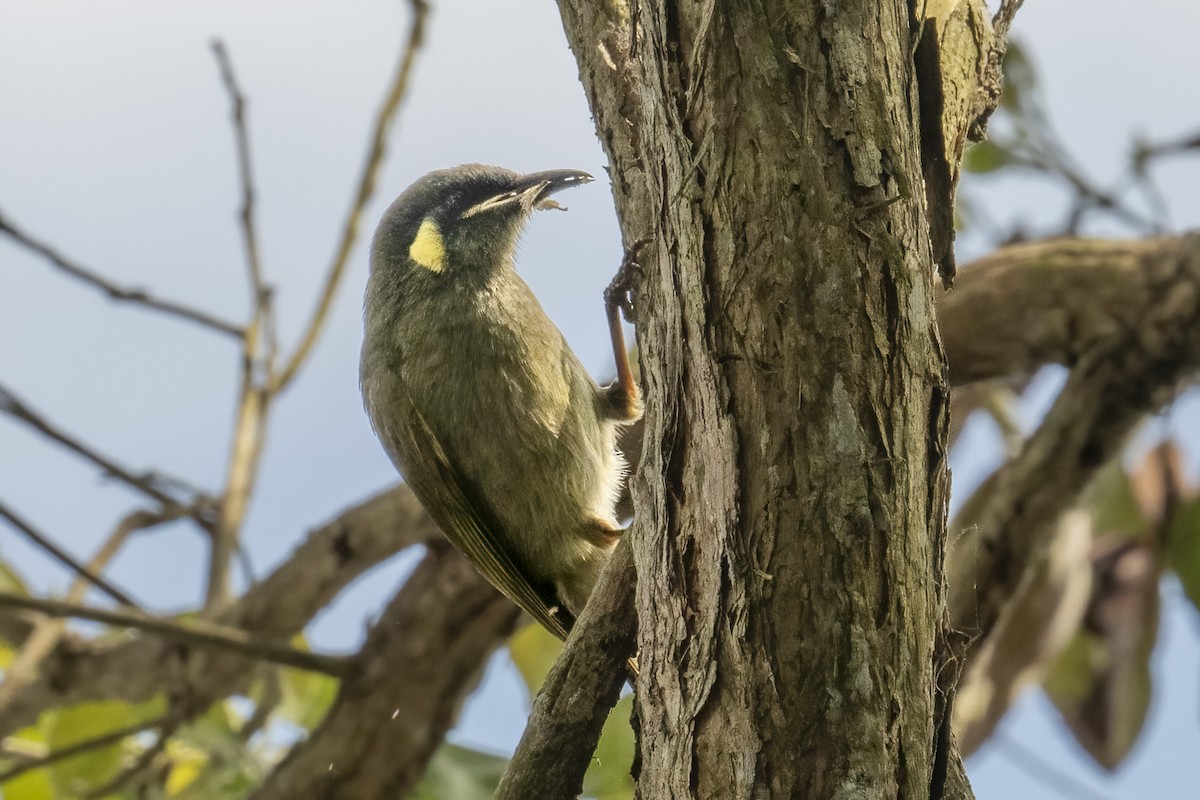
(623, 395)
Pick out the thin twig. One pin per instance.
(121, 293)
(244, 458)
(86, 746)
(65, 558)
(366, 188)
(258, 366)
(199, 632)
(45, 636)
(1002, 21)
(237, 100)
(278, 606)
(15, 407)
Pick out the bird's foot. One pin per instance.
(623, 395)
(620, 289)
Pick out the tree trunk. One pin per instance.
(791, 502)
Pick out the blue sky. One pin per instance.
(115, 145)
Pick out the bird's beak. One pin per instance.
(537, 186)
(532, 191)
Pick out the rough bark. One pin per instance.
(574, 701)
(787, 541)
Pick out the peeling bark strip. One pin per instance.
(787, 541)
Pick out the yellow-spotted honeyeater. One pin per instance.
(476, 397)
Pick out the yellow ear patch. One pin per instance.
(427, 248)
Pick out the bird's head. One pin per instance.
(463, 221)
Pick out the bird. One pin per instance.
(475, 395)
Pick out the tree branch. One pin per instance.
(86, 746)
(147, 484)
(280, 605)
(47, 635)
(65, 558)
(366, 188)
(404, 689)
(120, 293)
(237, 102)
(581, 689)
(1048, 302)
(195, 632)
(1143, 345)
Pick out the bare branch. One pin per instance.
(244, 457)
(366, 188)
(196, 632)
(120, 293)
(422, 658)
(65, 558)
(1048, 302)
(148, 484)
(280, 605)
(48, 634)
(1004, 17)
(580, 690)
(245, 174)
(1136, 363)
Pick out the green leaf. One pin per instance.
(307, 696)
(1070, 678)
(461, 773)
(534, 650)
(1183, 549)
(608, 776)
(187, 765)
(1113, 505)
(1020, 78)
(76, 775)
(229, 769)
(34, 784)
(985, 157)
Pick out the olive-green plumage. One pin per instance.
(501, 433)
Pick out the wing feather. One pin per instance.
(466, 519)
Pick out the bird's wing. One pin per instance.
(467, 521)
